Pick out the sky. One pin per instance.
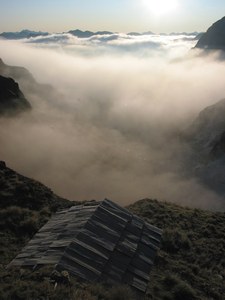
(117, 15)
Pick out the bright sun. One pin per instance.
(160, 7)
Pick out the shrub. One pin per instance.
(170, 280)
(30, 225)
(174, 240)
(183, 291)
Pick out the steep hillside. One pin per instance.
(12, 99)
(206, 137)
(25, 205)
(27, 82)
(190, 264)
(209, 125)
(214, 38)
(17, 73)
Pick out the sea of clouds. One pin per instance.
(110, 126)
(118, 43)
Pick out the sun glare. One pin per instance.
(160, 7)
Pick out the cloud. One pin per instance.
(119, 43)
(112, 128)
(60, 38)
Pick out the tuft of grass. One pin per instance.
(26, 284)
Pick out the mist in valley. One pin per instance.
(111, 125)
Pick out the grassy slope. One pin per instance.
(25, 205)
(191, 262)
(190, 265)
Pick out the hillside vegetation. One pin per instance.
(25, 206)
(190, 264)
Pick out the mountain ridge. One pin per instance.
(214, 38)
(26, 34)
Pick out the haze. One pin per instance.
(109, 128)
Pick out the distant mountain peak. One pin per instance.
(86, 34)
(25, 33)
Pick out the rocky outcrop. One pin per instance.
(209, 125)
(218, 148)
(17, 73)
(12, 99)
(214, 38)
(27, 82)
(206, 137)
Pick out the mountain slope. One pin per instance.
(19, 190)
(190, 264)
(25, 205)
(214, 38)
(12, 99)
(28, 83)
(20, 74)
(209, 125)
(206, 138)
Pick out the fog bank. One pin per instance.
(112, 128)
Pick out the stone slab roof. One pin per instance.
(96, 242)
